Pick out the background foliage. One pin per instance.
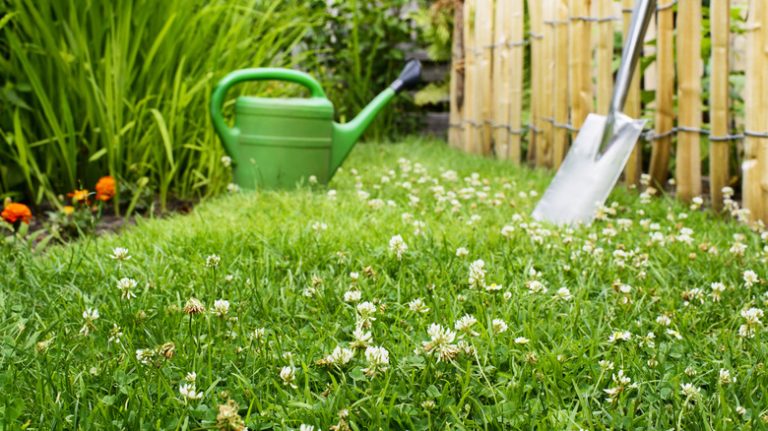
(122, 87)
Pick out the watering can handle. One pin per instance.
(228, 136)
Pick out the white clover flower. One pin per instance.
(717, 291)
(477, 274)
(493, 287)
(462, 252)
(212, 261)
(441, 343)
(189, 392)
(507, 231)
(725, 378)
(145, 356)
(499, 326)
(674, 334)
(535, 286)
(331, 194)
(418, 306)
(366, 309)
(319, 226)
(663, 320)
(312, 180)
(750, 278)
(752, 317)
(361, 338)
(696, 203)
(352, 296)
(738, 249)
(617, 336)
(120, 254)
(258, 333)
(221, 307)
(125, 286)
(465, 323)
(115, 334)
(288, 376)
(305, 427)
(521, 340)
(621, 382)
(191, 377)
(233, 188)
(90, 314)
(397, 246)
(606, 365)
(226, 161)
(339, 357)
(564, 294)
(378, 361)
(690, 391)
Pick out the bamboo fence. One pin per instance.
(522, 97)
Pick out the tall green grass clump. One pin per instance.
(121, 87)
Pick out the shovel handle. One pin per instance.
(641, 18)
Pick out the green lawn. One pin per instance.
(615, 326)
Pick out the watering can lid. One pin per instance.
(314, 107)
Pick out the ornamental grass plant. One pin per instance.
(122, 88)
(414, 293)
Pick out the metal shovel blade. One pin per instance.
(585, 179)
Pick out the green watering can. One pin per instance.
(277, 143)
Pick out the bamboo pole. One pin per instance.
(665, 89)
(471, 116)
(517, 23)
(633, 109)
(580, 62)
(719, 150)
(483, 97)
(754, 166)
(544, 152)
(604, 56)
(688, 157)
(537, 44)
(560, 137)
(455, 131)
(502, 98)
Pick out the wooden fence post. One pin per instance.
(501, 98)
(561, 29)
(480, 137)
(580, 62)
(456, 122)
(471, 116)
(544, 153)
(517, 34)
(604, 55)
(633, 108)
(719, 152)
(755, 148)
(537, 24)
(688, 158)
(665, 89)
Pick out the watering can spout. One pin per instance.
(346, 135)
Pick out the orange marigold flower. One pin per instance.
(79, 196)
(105, 188)
(13, 213)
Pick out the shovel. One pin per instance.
(603, 145)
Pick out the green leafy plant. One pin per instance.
(361, 50)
